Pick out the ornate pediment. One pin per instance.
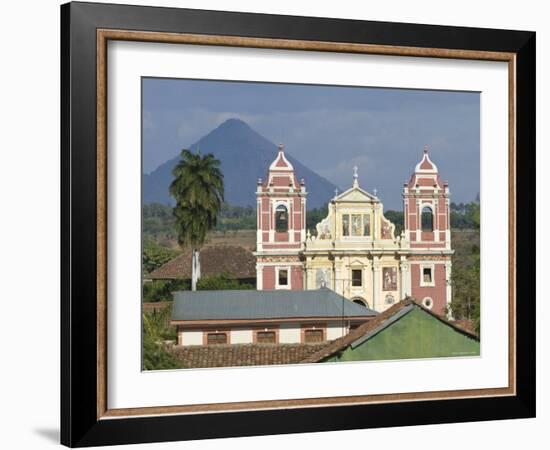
(355, 194)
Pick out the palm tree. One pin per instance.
(198, 190)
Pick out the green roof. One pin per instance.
(405, 330)
(252, 304)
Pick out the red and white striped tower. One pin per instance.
(281, 208)
(427, 229)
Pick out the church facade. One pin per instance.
(355, 251)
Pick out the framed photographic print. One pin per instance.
(277, 224)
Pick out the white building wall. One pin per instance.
(290, 334)
(335, 330)
(190, 338)
(241, 336)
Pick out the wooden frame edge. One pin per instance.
(290, 44)
(512, 269)
(304, 403)
(101, 190)
(103, 35)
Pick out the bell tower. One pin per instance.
(428, 235)
(281, 224)
(426, 207)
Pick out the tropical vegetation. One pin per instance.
(198, 190)
(156, 332)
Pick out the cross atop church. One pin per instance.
(355, 176)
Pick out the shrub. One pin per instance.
(155, 256)
(156, 329)
(161, 290)
(220, 283)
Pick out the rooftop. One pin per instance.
(234, 261)
(369, 329)
(244, 354)
(253, 305)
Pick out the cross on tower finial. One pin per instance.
(426, 149)
(335, 192)
(375, 191)
(281, 147)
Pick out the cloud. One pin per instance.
(148, 121)
(383, 136)
(343, 171)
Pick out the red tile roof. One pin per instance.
(235, 262)
(244, 354)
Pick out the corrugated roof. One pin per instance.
(236, 262)
(251, 304)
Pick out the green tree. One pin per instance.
(466, 289)
(314, 216)
(155, 256)
(198, 190)
(465, 215)
(221, 283)
(156, 329)
(473, 214)
(236, 218)
(161, 290)
(395, 217)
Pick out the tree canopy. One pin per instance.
(198, 190)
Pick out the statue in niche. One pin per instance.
(322, 278)
(389, 276)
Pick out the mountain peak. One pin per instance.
(232, 129)
(234, 124)
(245, 156)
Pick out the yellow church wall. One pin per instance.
(338, 276)
(332, 255)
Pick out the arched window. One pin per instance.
(427, 219)
(281, 219)
(360, 301)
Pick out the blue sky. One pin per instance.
(328, 128)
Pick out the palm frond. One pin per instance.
(199, 193)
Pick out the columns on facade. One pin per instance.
(418, 221)
(376, 225)
(365, 273)
(291, 220)
(435, 219)
(375, 282)
(337, 283)
(259, 234)
(259, 277)
(303, 218)
(406, 218)
(449, 288)
(448, 223)
(405, 272)
(309, 282)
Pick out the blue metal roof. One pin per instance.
(252, 304)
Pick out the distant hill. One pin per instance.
(245, 156)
